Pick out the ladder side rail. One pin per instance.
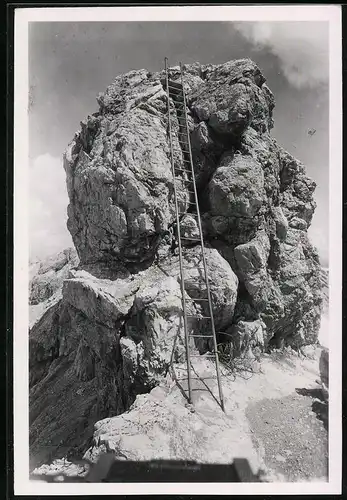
(179, 241)
(202, 248)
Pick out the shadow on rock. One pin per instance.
(320, 405)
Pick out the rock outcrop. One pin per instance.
(47, 277)
(115, 328)
(101, 342)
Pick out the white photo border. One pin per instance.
(328, 13)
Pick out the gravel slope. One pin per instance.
(274, 417)
(294, 440)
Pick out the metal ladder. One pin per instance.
(176, 94)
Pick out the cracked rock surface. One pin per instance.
(106, 322)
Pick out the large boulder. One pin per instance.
(237, 187)
(251, 261)
(119, 175)
(47, 277)
(159, 426)
(245, 338)
(233, 98)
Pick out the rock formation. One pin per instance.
(47, 277)
(115, 328)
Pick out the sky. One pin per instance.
(70, 63)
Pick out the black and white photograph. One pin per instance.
(177, 310)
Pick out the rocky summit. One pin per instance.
(109, 323)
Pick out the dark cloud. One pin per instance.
(302, 48)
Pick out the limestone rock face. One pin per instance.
(111, 328)
(47, 277)
(159, 426)
(119, 174)
(237, 187)
(104, 341)
(247, 335)
(232, 98)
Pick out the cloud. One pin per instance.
(302, 48)
(48, 202)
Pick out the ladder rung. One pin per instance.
(172, 87)
(190, 239)
(183, 142)
(213, 377)
(187, 180)
(183, 169)
(198, 317)
(202, 336)
(205, 355)
(174, 82)
(205, 300)
(185, 161)
(188, 202)
(196, 279)
(187, 213)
